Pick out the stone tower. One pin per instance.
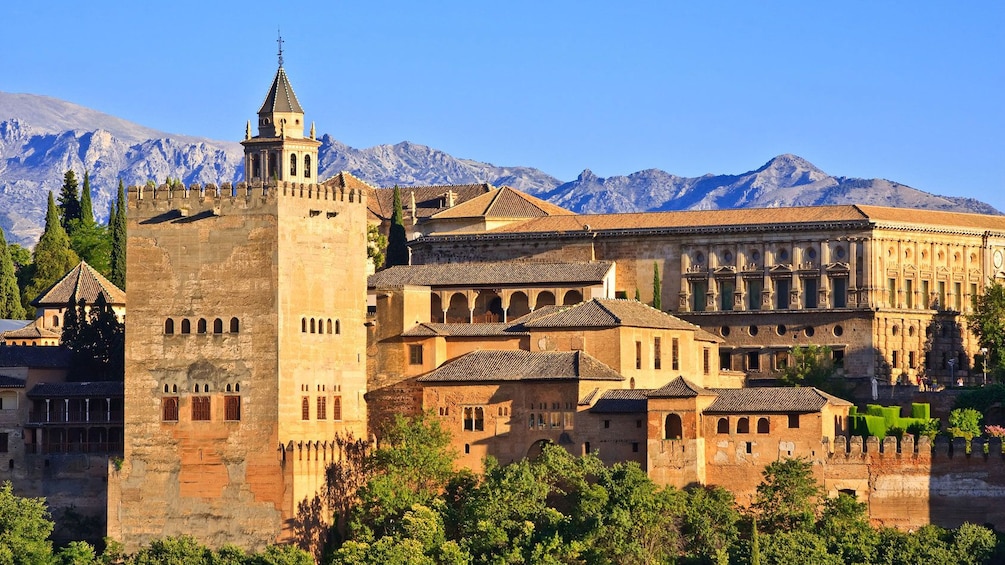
(245, 346)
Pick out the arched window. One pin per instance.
(303, 325)
(218, 326)
(169, 326)
(165, 387)
(197, 387)
(201, 328)
(763, 426)
(313, 324)
(186, 326)
(674, 429)
(235, 326)
(55, 321)
(743, 426)
(337, 408)
(293, 165)
(307, 166)
(237, 387)
(174, 388)
(338, 327)
(479, 418)
(723, 426)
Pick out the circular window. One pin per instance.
(809, 332)
(998, 259)
(727, 257)
(838, 330)
(781, 329)
(724, 331)
(895, 330)
(756, 255)
(783, 254)
(839, 252)
(752, 330)
(699, 257)
(811, 253)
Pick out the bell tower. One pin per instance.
(280, 152)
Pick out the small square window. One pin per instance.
(793, 420)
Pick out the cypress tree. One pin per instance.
(88, 239)
(397, 244)
(86, 209)
(53, 257)
(69, 201)
(10, 295)
(657, 288)
(117, 229)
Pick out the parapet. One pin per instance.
(138, 195)
(922, 448)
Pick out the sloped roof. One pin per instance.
(607, 313)
(82, 282)
(519, 365)
(280, 97)
(30, 331)
(621, 401)
(679, 388)
(938, 217)
(771, 400)
(11, 382)
(462, 330)
(106, 389)
(527, 273)
(428, 199)
(503, 202)
(34, 357)
(346, 180)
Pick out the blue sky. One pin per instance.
(908, 91)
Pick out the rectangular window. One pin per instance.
(958, 296)
(635, 447)
(793, 420)
(926, 296)
(780, 360)
(911, 360)
(942, 295)
(908, 293)
(414, 354)
(891, 293)
(706, 362)
(607, 424)
(726, 289)
(753, 361)
(305, 408)
(232, 408)
(200, 408)
(567, 420)
(973, 296)
(169, 408)
(657, 354)
(810, 293)
(674, 354)
(638, 354)
(839, 291)
(4, 443)
(781, 294)
(555, 420)
(474, 418)
(754, 289)
(725, 361)
(623, 294)
(336, 408)
(698, 291)
(896, 359)
(322, 408)
(838, 356)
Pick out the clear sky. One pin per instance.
(908, 91)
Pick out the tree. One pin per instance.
(987, 322)
(397, 244)
(965, 423)
(787, 497)
(86, 209)
(25, 527)
(376, 245)
(10, 295)
(88, 239)
(657, 288)
(96, 339)
(710, 523)
(117, 253)
(69, 201)
(53, 257)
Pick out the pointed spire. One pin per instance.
(247, 131)
(313, 135)
(280, 42)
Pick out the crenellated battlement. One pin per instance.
(328, 191)
(989, 449)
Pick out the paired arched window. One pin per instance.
(763, 426)
(293, 165)
(743, 426)
(303, 325)
(673, 428)
(722, 427)
(235, 326)
(169, 327)
(307, 166)
(338, 327)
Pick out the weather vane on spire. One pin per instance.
(280, 42)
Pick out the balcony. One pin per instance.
(75, 417)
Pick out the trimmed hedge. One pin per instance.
(879, 420)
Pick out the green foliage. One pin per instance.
(53, 257)
(881, 421)
(787, 497)
(69, 201)
(987, 322)
(796, 548)
(965, 423)
(183, 550)
(981, 399)
(24, 529)
(710, 523)
(117, 245)
(376, 246)
(10, 295)
(657, 288)
(86, 208)
(845, 530)
(813, 366)
(397, 244)
(76, 553)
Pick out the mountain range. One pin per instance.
(41, 138)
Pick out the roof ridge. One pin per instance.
(605, 309)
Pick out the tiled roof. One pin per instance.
(493, 366)
(461, 330)
(81, 282)
(621, 401)
(34, 357)
(11, 382)
(679, 388)
(771, 400)
(608, 313)
(922, 217)
(504, 202)
(586, 400)
(527, 273)
(280, 97)
(30, 331)
(102, 389)
(428, 199)
(346, 180)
